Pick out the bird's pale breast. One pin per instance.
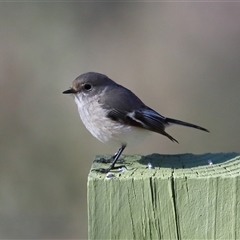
(103, 128)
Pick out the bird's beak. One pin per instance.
(69, 91)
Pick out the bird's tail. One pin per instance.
(175, 121)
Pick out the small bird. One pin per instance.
(113, 114)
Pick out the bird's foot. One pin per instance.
(109, 160)
(106, 170)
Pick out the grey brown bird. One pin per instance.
(113, 114)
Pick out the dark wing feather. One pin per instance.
(152, 121)
(125, 107)
(143, 119)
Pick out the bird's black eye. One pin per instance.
(87, 86)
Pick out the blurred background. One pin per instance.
(182, 59)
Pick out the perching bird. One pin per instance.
(113, 114)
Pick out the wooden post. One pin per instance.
(184, 197)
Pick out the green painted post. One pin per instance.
(184, 197)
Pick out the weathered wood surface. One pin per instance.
(184, 197)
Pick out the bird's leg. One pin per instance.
(109, 160)
(115, 158)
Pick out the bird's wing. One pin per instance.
(144, 118)
(149, 119)
(125, 107)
